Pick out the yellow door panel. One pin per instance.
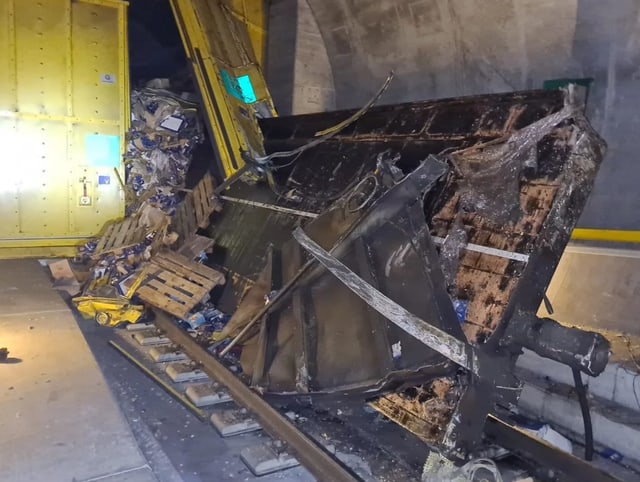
(64, 112)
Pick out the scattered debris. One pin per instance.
(546, 433)
(134, 262)
(164, 130)
(108, 311)
(438, 468)
(64, 278)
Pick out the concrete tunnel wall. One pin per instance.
(334, 54)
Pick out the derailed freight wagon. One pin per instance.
(409, 254)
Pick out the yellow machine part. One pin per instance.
(64, 111)
(115, 310)
(225, 42)
(108, 311)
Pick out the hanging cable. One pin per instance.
(331, 131)
(586, 415)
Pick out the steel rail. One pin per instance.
(314, 457)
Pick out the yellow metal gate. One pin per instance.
(64, 111)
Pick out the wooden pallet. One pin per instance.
(184, 221)
(204, 202)
(119, 235)
(176, 284)
(485, 281)
(194, 211)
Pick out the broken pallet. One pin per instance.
(176, 284)
(184, 221)
(204, 201)
(194, 211)
(120, 235)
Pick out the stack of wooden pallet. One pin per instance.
(166, 275)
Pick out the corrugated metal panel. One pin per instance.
(64, 111)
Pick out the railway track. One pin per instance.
(327, 439)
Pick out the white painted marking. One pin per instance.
(501, 253)
(272, 207)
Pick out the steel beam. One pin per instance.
(537, 450)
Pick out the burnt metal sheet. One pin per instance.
(498, 181)
(319, 177)
(381, 237)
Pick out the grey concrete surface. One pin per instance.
(177, 445)
(443, 48)
(58, 419)
(613, 428)
(298, 71)
(19, 280)
(616, 384)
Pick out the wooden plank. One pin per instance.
(199, 208)
(122, 232)
(195, 245)
(184, 221)
(152, 296)
(191, 290)
(175, 268)
(159, 294)
(190, 215)
(178, 223)
(156, 299)
(207, 183)
(170, 292)
(204, 204)
(105, 237)
(120, 235)
(183, 265)
(114, 233)
(183, 261)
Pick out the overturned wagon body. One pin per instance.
(409, 254)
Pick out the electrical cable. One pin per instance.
(365, 201)
(280, 166)
(586, 415)
(331, 131)
(263, 164)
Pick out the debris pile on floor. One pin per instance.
(153, 257)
